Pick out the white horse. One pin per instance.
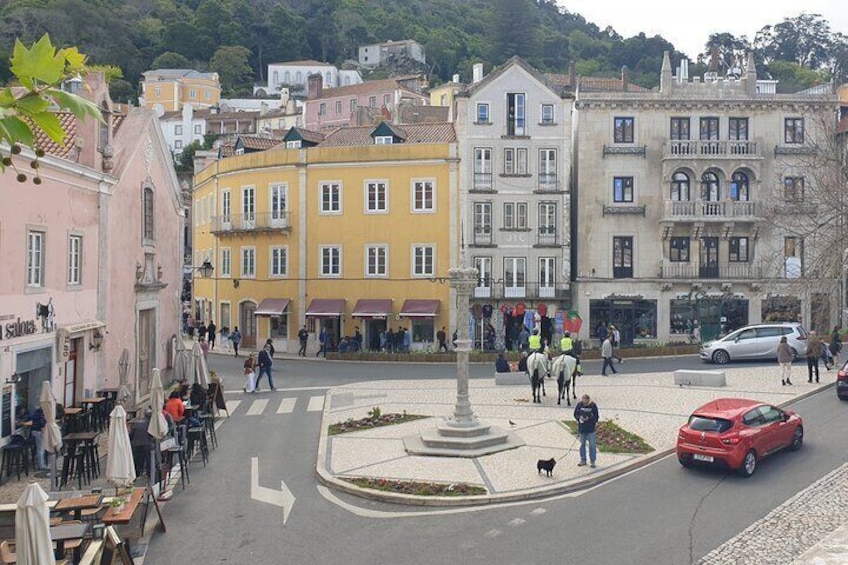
(564, 368)
(537, 368)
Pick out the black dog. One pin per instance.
(546, 464)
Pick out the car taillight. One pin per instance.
(681, 435)
(732, 440)
(842, 376)
(802, 337)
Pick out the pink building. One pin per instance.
(335, 107)
(92, 261)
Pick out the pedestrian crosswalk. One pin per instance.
(284, 405)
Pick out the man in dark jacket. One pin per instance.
(265, 363)
(210, 334)
(586, 414)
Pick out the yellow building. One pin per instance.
(344, 232)
(171, 89)
(445, 94)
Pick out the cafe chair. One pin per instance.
(16, 457)
(7, 552)
(197, 440)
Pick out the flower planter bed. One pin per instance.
(612, 438)
(377, 420)
(419, 489)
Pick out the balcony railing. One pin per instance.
(704, 210)
(482, 236)
(499, 289)
(548, 182)
(693, 271)
(482, 181)
(732, 149)
(547, 238)
(241, 223)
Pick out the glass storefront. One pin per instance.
(716, 316)
(781, 309)
(634, 319)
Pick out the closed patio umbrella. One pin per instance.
(158, 426)
(52, 431)
(32, 528)
(184, 363)
(120, 470)
(201, 373)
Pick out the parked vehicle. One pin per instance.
(842, 382)
(757, 341)
(737, 433)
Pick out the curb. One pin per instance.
(328, 479)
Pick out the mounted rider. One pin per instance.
(566, 344)
(535, 342)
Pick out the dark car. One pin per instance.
(737, 433)
(842, 382)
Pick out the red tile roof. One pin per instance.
(367, 87)
(69, 124)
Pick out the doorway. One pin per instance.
(373, 328)
(247, 324)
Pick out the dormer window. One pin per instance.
(383, 140)
(293, 144)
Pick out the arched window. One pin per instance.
(147, 214)
(680, 187)
(739, 187)
(287, 77)
(298, 78)
(710, 187)
(276, 78)
(330, 79)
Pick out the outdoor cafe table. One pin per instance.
(67, 532)
(78, 504)
(72, 416)
(112, 518)
(96, 405)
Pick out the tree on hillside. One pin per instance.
(805, 39)
(231, 64)
(40, 70)
(170, 60)
(512, 30)
(730, 50)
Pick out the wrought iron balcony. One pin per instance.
(251, 223)
(548, 238)
(692, 271)
(722, 211)
(499, 289)
(482, 236)
(548, 182)
(716, 149)
(483, 182)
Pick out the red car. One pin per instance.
(842, 382)
(737, 433)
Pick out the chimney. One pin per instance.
(624, 78)
(456, 78)
(572, 74)
(284, 96)
(315, 87)
(477, 73)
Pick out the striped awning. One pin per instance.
(372, 308)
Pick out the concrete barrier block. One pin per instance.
(699, 378)
(510, 379)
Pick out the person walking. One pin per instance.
(265, 364)
(201, 330)
(302, 336)
(813, 353)
(586, 414)
(322, 343)
(225, 338)
(235, 337)
(210, 334)
(835, 344)
(606, 354)
(37, 433)
(616, 342)
(784, 359)
(269, 345)
(601, 332)
(442, 337)
(249, 374)
(204, 347)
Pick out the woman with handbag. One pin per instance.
(250, 374)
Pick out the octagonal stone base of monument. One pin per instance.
(461, 441)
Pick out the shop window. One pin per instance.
(635, 319)
(423, 330)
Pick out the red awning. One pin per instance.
(420, 308)
(372, 308)
(272, 307)
(326, 308)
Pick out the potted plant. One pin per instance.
(117, 504)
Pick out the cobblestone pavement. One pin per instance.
(807, 529)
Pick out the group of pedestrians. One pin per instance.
(262, 363)
(817, 350)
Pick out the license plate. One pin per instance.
(699, 457)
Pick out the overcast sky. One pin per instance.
(688, 25)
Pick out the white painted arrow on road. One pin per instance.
(282, 498)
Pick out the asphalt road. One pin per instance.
(659, 514)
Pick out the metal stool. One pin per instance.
(197, 438)
(15, 457)
(209, 422)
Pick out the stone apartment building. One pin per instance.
(378, 54)
(673, 200)
(514, 130)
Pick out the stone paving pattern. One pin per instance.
(649, 405)
(807, 529)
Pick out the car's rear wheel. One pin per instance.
(685, 459)
(721, 357)
(794, 354)
(797, 439)
(749, 464)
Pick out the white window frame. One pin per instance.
(509, 161)
(482, 218)
(422, 254)
(198, 129)
(278, 261)
(278, 203)
(548, 218)
(333, 253)
(178, 144)
(293, 144)
(75, 259)
(226, 269)
(178, 129)
(383, 140)
(423, 185)
(547, 277)
(381, 265)
(192, 94)
(338, 107)
(248, 259)
(550, 119)
(248, 206)
(483, 109)
(512, 289)
(484, 277)
(521, 156)
(333, 189)
(380, 203)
